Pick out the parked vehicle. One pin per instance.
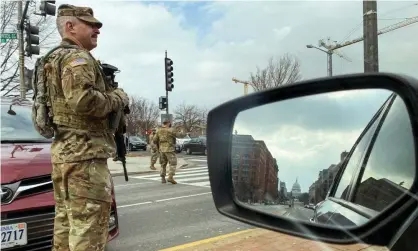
(136, 143)
(178, 147)
(197, 144)
(390, 124)
(27, 200)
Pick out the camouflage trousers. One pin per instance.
(154, 155)
(170, 158)
(82, 192)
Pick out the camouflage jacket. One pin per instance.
(151, 142)
(81, 102)
(165, 138)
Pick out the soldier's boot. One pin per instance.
(115, 158)
(163, 179)
(171, 180)
(152, 167)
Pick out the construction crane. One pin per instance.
(242, 82)
(387, 29)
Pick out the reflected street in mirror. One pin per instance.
(337, 158)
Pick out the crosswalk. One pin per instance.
(196, 176)
(199, 159)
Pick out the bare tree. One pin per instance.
(282, 71)
(191, 118)
(143, 116)
(9, 59)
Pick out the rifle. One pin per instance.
(116, 117)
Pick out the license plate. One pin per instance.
(14, 235)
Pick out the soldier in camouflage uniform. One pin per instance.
(81, 103)
(154, 150)
(165, 139)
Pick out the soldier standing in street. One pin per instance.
(154, 150)
(81, 104)
(165, 139)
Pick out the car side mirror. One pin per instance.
(346, 144)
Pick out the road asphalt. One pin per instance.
(154, 216)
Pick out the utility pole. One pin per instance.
(329, 53)
(371, 49)
(20, 17)
(329, 58)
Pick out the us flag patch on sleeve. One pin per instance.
(78, 61)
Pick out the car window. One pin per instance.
(354, 161)
(390, 168)
(19, 126)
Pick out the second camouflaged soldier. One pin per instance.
(154, 150)
(165, 139)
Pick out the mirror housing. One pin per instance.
(379, 230)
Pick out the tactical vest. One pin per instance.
(50, 108)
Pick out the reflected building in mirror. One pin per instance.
(320, 188)
(254, 170)
(296, 190)
(282, 192)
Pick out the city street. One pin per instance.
(299, 212)
(153, 216)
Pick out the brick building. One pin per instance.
(254, 170)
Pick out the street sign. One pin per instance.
(166, 116)
(8, 36)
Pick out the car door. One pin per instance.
(201, 145)
(387, 169)
(191, 145)
(331, 211)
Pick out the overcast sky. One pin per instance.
(211, 42)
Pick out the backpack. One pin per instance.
(42, 107)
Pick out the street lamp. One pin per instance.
(329, 57)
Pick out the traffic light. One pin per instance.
(47, 8)
(168, 74)
(163, 102)
(32, 40)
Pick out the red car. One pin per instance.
(27, 200)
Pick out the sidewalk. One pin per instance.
(138, 165)
(264, 240)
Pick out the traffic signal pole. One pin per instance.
(21, 17)
(47, 8)
(166, 91)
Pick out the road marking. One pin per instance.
(185, 196)
(162, 200)
(198, 160)
(136, 204)
(205, 241)
(198, 176)
(134, 184)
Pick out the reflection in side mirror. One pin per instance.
(337, 158)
